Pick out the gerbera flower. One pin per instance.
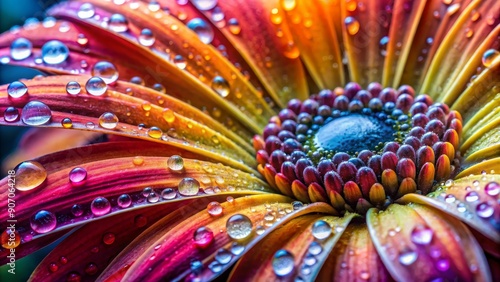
(257, 140)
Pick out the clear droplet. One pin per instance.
(237, 249)
(86, 11)
(36, 113)
(54, 52)
(204, 5)
(221, 86)
(118, 23)
(202, 29)
(43, 221)
(146, 191)
(471, 196)
(17, 89)
(297, 205)
(77, 210)
(352, 25)
(108, 120)
(214, 208)
(492, 188)
(223, 256)
(11, 114)
(100, 206)
(108, 238)
(73, 88)
(124, 201)
(449, 198)
(29, 175)
(189, 187)
(96, 86)
(489, 57)
(217, 14)
(283, 263)
(153, 197)
(421, 235)
(105, 70)
(315, 248)
(77, 176)
(321, 230)
(215, 267)
(146, 38)
(180, 62)
(234, 26)
(485, 210)
(175, 163)
(408, 258)
(203, 237)
(154, 132)
(239, 226)
(20, 49)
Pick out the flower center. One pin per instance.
(359, 148)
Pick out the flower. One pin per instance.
(218, 159)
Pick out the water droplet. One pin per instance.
(118, 23)
(86, 11)
(77, 176)
(154, 6)
(239, 226)
(421, 235)
(229, 199)
(168, 115)
(203, 237)
(383, 45)
(43, 221)
(140, 221)
(29, 175)
(407, 258)
(315, 248)
(108, 120)
(17, 89)
(223, 256)
(153, 197)
(461, 207)
(175, 163)
(205, 5)
(189, 186)
(73, 88)
(450, 198)
(54, 52)
(146, 191)
(215, 267)
(77, 210)
(105, 70)
(20, 49)
(234, 26)
(283, 263)
(124, 201)
(443, 265)
(96, 86)
(180, 62)
(492, 188)
(202, 29)
(53, 267)
(214, 209)
(108, 238)
(471, 196)
(11, 114)
(146, 38)
(36, 113)
(288, 5)
(221, 86)
(321, 230)
(91, 269)
(484, 210)
(100, 206)
(217, 14)
(154, 132)
(168, 194)
(352, 25)
(489, 57)
(90, 125)
(10, 238)
(297, 205)
(237, 249)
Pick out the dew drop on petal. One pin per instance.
(237, 249)
(221, 86)
(168, 193)
(205, 5)
(154, 132)
(91, 269)
(96, 86)
(86, 11)
(283, 263)
(239, 227)
(421, 235)
(315, 248)
(175, 163)
(17, 89)
(408, 257)
(450, 198)
(189, 186)
(146, 191)
(20, 49)
(36, 113)
(215, 267)
(53, 267)
(223, 256)
(73, 88)
(203, 237)
(77, 175)
(146, 38)
(485, 210)
(352, 25)
(214, 208)
(118, 23)
(11, 114)
(471, 196)
(234, 26)
(124, 201)
(10, 238)
(105, 70)
(29, 175)
(153, 197)
(77, 210)
(180, 61)
(492, 188)
(202, 29)
(489, 57)
(108, 120)
(168, 115)
(100, 206)
(297, 205)
(54, 52)
(43, 221)
(108, 238)
(321, 230)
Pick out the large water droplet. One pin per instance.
(489, 57)
(124, 201)
(485, 210)
(223, 256)
(77, 176)
(86, 11)
(54, 52)
(17, 89)
(146, 38)
(108, 120)
(36, 113)
(100, 206)
(239, 226)
(20, 49)
(408, 257)
(352, 25)
(96, 86)
(203, 237)
(492, 188)
(202, 29)
(118, 23)
(73, 88)
(221, 86)
(421, 235)
(175, 163)
(321, 230)
(43, 221)
(204, 5)
(283, 263)
(214, 209)
(105, 70)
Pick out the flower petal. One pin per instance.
(488, 166)
(296, 237)
(473, 200)
(418, 241)
(354, 258)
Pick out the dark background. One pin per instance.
(15, 12)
